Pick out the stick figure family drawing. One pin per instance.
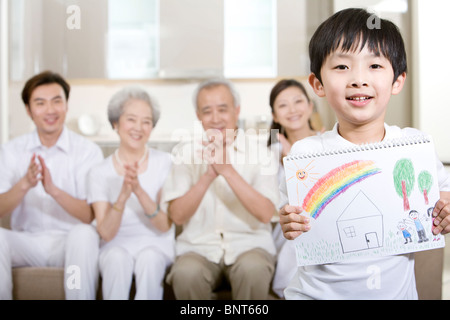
(404, 181)
(414, 219)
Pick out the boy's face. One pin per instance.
(358, 86)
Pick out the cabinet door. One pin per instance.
(191, 38)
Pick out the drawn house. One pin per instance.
(360, 226)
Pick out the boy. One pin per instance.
(357, 69)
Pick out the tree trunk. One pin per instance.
(405, 196)
(425, 195)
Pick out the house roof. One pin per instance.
(360, 207)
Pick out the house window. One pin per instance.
(250, 48)
(133, 39)
(350, 232)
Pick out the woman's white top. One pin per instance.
(105, 185)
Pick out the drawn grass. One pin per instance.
(394, 243)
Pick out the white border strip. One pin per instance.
(4, 71)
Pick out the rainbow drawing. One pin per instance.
(336, 182)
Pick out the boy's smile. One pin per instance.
(358, 85)
(359, 100)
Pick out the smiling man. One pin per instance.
(42, 186)
(224, 206)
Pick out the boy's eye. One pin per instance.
(341, 67)
(375, 66)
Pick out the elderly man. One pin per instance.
(42, 186)
(224, 203)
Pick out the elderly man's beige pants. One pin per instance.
(193, 277)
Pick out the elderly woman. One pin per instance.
(124, 190)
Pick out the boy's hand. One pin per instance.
(292, 223)
(441, 213)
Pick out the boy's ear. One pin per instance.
(399, 83)
(316, 85)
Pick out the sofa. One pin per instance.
(44, 283)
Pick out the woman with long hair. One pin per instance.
(291, 111)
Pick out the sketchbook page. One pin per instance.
(372, 200)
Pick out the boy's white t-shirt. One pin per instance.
(386, 278)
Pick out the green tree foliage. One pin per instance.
(425, 180)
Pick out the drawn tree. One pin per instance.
(425, 180)
(404, 180)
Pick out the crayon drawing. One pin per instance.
(303, 176)
(425, 181)
(360, 226)
(336, 182)
(370, 200)
(404, 180)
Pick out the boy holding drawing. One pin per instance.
(357, 67)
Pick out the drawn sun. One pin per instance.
(303, 175)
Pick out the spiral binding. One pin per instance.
(386, 144)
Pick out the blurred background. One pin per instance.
(168, 46)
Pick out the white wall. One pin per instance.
(4, 111)
(91, 96)
(431, 52)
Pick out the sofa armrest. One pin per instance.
(429, 270)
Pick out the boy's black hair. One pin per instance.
(352, 29)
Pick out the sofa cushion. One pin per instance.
(32, 283)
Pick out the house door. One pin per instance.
(372, 240)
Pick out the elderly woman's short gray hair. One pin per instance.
(214, 83)
(119, 99)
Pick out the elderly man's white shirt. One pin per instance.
(68, 161)
(222, 227)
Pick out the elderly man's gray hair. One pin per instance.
(119, 99)
(214, 83)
